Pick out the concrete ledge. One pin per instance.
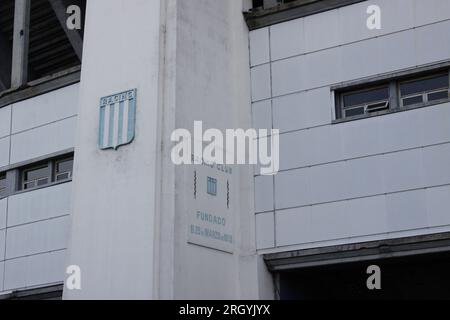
(366, 251)
(260, 18)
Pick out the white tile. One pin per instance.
(401, 131)
(402, 170)
(432, 43)
(326, 144)
(39, 205)
(365, 177)
(30, 144)
(353, 23)
(294, 226)
(292, 189)
(330, 221)
(430, 11)
(329, 183)
(323, 68)
(436, 127)
(287, 39)
(438, 204)
(46, 108)
(322, 30)
(296, 149)
(367, 216)
(262, 115)
(407, 211)
(288, 76)
(290, 112)
(396, 15)
(264, 193)
(5, 121)
(37, 238)
(259, 46)
(302, 110)
(260, 82)
(39, 270)
(4, 152)
(2, 268)
(320, 105)
(392, 49)
(2, 244)
(361, 138)
(360, 60)
(436, 162)
(265, 231)
(3, 207)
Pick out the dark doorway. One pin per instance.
(420, 277)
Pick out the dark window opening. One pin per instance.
(45, 173)
(42, 45)
(6, 42)
(3, 185)
(36, 177)
(53, 47)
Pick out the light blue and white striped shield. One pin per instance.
(117, 120)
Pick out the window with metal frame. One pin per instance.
(63, 169)
(3, 185)
(367, 101)
(396, 94)
(37, 176)
(425, 90)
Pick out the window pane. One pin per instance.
(2, 184)
(62, 177)
(366, 97)
(35, 174)
(413, 100)
(42, 182)
(438, 96)
(424, 85)
(29, 185)
(64, 166)
(354, 112)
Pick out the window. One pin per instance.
(3, 186)
(52, 171)
(393, 95)
(366, 102)
(212, 186)
(63, 169)
(35, 177)
(424, 90)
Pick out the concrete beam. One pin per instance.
(367, 251)
(19, 74)
(5, 66)
(60, 9)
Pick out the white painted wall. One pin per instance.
(364, 180)
(112, 231)
(207, 83)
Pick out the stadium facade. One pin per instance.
(87, 179)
